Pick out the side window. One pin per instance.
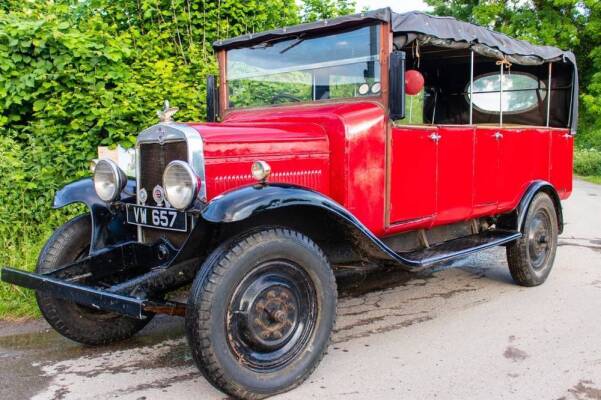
(416, 95)
(521, 92)
(414, 110)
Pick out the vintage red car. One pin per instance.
(373, 139)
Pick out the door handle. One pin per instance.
(566, 136)
(435, 137)
(498, 136)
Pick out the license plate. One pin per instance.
(157, 217)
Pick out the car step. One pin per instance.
(459, 247)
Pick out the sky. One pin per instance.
(396, 5)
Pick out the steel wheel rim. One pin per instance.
(271, 315)
(539, 239)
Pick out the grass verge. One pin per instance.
(20, 252)
(592, 179)
(587, 165)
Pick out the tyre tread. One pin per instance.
(215, 269)
(517, 252)
(53, 309)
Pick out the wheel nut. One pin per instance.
(280, 316)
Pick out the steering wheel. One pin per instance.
(285, 96)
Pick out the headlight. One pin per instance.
(109, 180)
(181, 184)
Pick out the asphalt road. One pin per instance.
(453, 333)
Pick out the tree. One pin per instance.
(313, 10)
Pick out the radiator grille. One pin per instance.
(154, 157)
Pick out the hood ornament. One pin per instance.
(166, 114)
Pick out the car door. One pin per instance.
(562, 158)
(413, 175)
(514, 172)
(486, 170)
(455, 184)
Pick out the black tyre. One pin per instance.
(69, 243)
(531, 257)
(261, 313)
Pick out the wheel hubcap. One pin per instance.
(271, 315)
(539, 236)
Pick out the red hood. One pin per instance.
(332, 148)
(255, 139)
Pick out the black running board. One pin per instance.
(458, 247)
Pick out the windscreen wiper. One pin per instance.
(299, 40)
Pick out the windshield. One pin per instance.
(341, 65)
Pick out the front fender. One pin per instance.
(107, 227)
(240, 204)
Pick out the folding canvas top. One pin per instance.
(445, 28)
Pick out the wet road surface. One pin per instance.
(449, 333)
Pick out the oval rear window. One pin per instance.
(521, 92)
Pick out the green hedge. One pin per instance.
(587, 162)
(76, 75)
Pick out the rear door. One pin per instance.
(562, 158)
(455, 186)
(514, 171)
(486, 170)
(413, 175)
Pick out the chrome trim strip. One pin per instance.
(173, 132)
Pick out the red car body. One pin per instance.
(392, 178)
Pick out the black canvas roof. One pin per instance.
(447, 28)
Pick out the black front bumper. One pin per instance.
(153, 267)
(83, 295)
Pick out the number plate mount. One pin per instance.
(157, 217)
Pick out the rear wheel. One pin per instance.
(261, 313)
(531, 257)
(69, 243)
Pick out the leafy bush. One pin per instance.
(22, 231)
(75, 75)
(587, 162)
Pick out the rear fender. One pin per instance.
(516, 219)
(535, 188)
(107, 227)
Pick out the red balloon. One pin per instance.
(414, 82)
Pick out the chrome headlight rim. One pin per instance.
(118, 179)
(193, 178)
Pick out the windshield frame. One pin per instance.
(381, 98)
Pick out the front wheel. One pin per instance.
(261, 313)
(531, 257)
(69, 243)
